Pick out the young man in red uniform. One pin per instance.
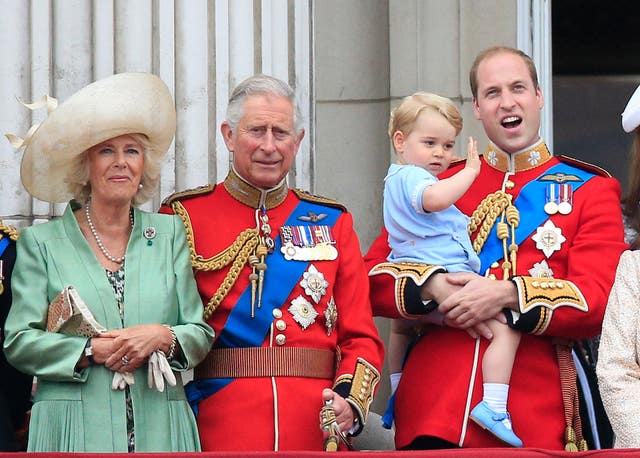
(285, 288)
(549, 234)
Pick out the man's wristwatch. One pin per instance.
(88, 352)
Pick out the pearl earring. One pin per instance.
(140, 186)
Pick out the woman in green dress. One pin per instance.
(115, 391)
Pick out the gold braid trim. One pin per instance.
(492, 207)
(11, 231)
(236, 254)
(250, 243)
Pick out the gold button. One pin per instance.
(365, 384)
(281, 325)
(280, 339)
(560, 284)
(535, 283)
(361, 397)
(509, 184)
(277, 313)
(544, 285)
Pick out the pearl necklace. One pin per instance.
(99, 240)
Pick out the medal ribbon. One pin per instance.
(532, 214)
(240, 330)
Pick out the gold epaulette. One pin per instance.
(306, 196)
(182, 195)
(10, 231)
(584, 166)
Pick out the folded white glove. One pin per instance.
(395, 380)
(159, 371)
(121, 380)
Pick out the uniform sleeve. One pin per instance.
(394, 287)
(618, 370)
(15, 386)
(360, 348)
(28, 347)
(194, 335)
(573, 305)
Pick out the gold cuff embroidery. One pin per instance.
(363, 384)
(549, 294)
(419, 273)
(403, 272)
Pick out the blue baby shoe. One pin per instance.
(491, 420)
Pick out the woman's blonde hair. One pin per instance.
(404, 116)
(78, 176)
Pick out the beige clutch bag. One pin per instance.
(68, 314)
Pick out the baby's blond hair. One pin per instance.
(404, 116)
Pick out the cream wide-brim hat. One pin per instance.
(126, 103)
(631, 113)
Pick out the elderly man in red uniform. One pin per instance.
(285, 288)
(548, 231)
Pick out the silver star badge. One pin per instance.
(303, 312)
(314, 284)
(548, 238)
(541, 269)
(331, 316)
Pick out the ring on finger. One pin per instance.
(124, 360)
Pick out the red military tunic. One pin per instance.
(440, 373)
(280, 412)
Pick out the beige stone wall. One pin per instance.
(352, 101)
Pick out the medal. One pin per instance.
(314, 284)
(551, 199)
(303, 312)
(308, 243)
(331, 316)
(548, 238)
(541, 269)
(566, 199)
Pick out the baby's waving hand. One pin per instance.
(473, 159)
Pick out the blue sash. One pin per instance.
(240, 330)
(530, 204)
(4, 243)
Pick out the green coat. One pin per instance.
(76, 412)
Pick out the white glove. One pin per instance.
(121, 380)
(159, 371)
(395, 380)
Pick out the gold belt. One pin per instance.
(267, 362)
